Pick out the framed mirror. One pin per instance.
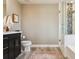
(15, 18)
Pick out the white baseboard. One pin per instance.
(44, 45)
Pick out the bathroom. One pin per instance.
(40, 25)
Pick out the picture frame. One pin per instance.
(15, 18)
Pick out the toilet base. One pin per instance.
(27, 49)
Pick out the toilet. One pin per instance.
(26, 44)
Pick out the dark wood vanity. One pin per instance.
(11, 45)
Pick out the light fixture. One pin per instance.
(71, 1)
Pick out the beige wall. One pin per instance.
(40, 23)
(4, 10)
(12, 6)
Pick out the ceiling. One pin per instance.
(38, 1)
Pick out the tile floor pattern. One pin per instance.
(43, 53)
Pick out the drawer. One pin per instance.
(10, 36)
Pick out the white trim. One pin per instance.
(45, 45)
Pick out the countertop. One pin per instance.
(11, 32)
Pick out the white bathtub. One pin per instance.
(70, 42)
(70, 46)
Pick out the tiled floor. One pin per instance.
(42, 53)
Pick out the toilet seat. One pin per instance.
(26, 42)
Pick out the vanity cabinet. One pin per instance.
(5, 48)
(11, 46)
(11, 49)
(17, 46)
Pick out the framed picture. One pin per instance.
(15, 18)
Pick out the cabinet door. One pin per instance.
(5, 53)
(11, 49)
(5, 47)
(17, 46)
